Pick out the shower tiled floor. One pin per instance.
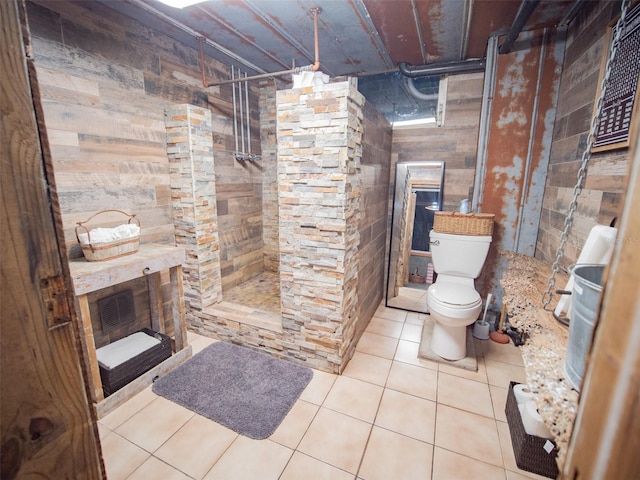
(390, 415)
(262, 292)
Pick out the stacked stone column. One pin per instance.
(319, 153)
(193, 196)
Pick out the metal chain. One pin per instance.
(547, 296)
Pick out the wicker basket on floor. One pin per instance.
(531, 453)
(480, 224)
(117, 377)
(416, 278)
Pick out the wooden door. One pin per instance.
(606, 435)
(47, 428)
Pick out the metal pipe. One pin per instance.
(414, 92)
(202, 69)
(235, 120)
(483, 130)
(246, 94)
(532, 132)
(573, 12)
(466, 28)
(264, 75)
(316, 64)
(314, 67)
(245, 38)
(148, 8)
(474, 65)
(276, 27)
(370, 74)
(524, 12)
(240, 101)
(416, 19)
(376, 40)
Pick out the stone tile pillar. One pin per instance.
(193, 195)
(319, 154)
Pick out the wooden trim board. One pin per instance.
(606, 434)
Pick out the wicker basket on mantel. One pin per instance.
(96, 252)
(480, 224)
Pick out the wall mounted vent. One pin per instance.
(116, 310)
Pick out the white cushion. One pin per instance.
(126, 348)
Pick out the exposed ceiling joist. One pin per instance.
(356, 36)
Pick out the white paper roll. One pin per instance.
(522, 393)
(597, 249)
(532, 421)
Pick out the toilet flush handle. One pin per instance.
(435, 242)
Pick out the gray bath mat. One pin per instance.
(246, 391)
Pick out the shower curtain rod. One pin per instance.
(313, 67)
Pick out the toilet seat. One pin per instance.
(453, 296)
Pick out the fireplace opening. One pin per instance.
(116, 310)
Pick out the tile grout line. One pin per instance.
(296, 449)
(373, 423)
(385, 386)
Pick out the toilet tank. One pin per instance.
(460, 255)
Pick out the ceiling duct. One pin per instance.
(475, 65)
(524, 12)
(412, 90)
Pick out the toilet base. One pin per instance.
(449, 342)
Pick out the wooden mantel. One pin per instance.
(149, 261)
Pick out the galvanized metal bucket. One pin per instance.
(584, 309)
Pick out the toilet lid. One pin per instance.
(453, 294)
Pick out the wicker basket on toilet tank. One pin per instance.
(456, 223)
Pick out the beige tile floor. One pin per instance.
(390, 415)
(413, 296)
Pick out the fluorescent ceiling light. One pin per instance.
(180, 3)
(418, 121)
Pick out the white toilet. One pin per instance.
(452, 300)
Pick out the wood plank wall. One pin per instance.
(606, 435)
(375, 178)
(603, 195)
(455, 142)
(106, 81)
